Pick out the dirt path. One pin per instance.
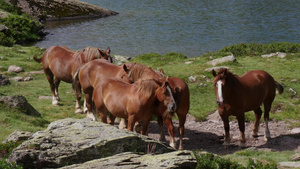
(208, 136)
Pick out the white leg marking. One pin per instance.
(54, 101)
(85, 110)
(267, 131)
(220, 95)
(91, 116)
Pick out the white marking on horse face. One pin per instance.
(170, 91)
(220, 95)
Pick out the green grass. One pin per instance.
(258, 155)
(203, 101)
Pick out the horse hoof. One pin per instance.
(162, 139)
(78, 111)
(242, 145)
(226, 144)
(55, 103)
(173, 145)
(267, 138)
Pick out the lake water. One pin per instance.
(192, 27)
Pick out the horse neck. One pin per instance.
(142, 72)
(231, 86)
(146, 90)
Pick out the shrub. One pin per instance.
(22, 29)
(8, 7)
(210, 161)
(254, 49)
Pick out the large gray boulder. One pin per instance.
(75, 141)
(20, 103)
(224, 59)
(129, 160)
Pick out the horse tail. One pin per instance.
(279, 87)
(39, 60)
(75, 80)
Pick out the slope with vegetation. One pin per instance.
(285, 107)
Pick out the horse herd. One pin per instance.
(135, 92)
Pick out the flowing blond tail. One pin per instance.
(75, 80)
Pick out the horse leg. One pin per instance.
(138, 126)
(258, 114)
(170, 127)
(241, 122)
(162, 136)
(266, 118)
(78, 98)
(89, 102)
(131, 122)
(144, 131)
(123, 124)
(182, 119)
(56, 84)
(225, 120)
(111, 119)
(50, 77)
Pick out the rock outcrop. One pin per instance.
(20, 103)
(129, 160)
(76, 141)
(224, 59)
(60, 9)
(4, 80)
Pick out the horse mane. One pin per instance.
(90, 53)
(146, 86)
(139, 71)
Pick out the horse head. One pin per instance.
(124, 74)
(220, 79)
(164, 95)
(105, 54)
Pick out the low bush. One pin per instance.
(211, 161)
(255, 49)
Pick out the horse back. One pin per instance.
(257, 87)
(181, 93)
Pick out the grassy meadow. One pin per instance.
(203, 102)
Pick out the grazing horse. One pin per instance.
(62, 62)
(180, 92)
(92, 73)
(135, 102)
(237, 95)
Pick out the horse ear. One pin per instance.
(108, 50)
(101, 52)
(225, 71)
(214, 73)
(167, 79)
(125, 68)
(162, 71)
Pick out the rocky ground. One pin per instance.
(208, 135)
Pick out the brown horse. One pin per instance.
(180, 92)
(135, 102)
(92, 73)
(237, 95)
(62, 62)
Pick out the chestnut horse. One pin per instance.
(135, 102)
(180, 92)
(237, 95)
(92, 73)
(62, 62)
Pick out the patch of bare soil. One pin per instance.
(208, 135)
